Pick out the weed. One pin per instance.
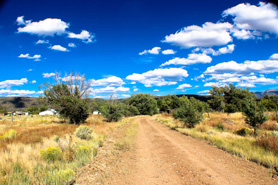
(122, 145)
(220, 127)
(66, 175)
(11, 134)
(56, 138)
(84, 132)
(202, 128)
(51, 154)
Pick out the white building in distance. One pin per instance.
(48, 112)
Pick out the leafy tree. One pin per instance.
(162, 105)
(43, 108)
(270, 102)
(217, 101)
(33, 109)
(190, 112)
(254, 113)
(168, 102)
(111, 111)
(229, 98)
(3, 110)
(145, 103)
(68, 96)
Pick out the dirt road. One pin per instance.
(164, 156)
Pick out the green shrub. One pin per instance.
(11, 134)
(220, 127)
(66, 175)
(190, 112)
(244, 131)
(51, 154)
(56, 138)
(84, 132)
(165, 121)
(83, 150)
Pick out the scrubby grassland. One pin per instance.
(45, 150)
(230, 133)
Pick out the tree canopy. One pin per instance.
(68, 96)
(145, 103)
(229, 98)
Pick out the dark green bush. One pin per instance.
(244, 131)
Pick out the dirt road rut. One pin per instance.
(165, 156)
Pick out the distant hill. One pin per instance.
(18, 103)
(268, 92)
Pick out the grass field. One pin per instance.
(45, 150)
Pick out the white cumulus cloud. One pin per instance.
(182, 86)
(263, 17)
(9, 83)
(261, 66)
(47, 27)
(109, 89)
(191, 59)
(27, 55)
(48, 75)
(110, 81)
(42, 42)
(168, 52)
(72, 45)
(85, 36)
(274, 56)
(59, 48)
(203, 92)
(8, 92)
(210, 34)
(159, 77)
(20, 21)
(154, 51)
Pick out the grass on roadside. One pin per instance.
(243, 146)
(55, 157)
(125, 142)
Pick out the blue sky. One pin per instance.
(130, 46)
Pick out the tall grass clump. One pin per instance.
(269, 142)
(11, 134)
(51, 154)
(84, 132)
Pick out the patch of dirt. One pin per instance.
(164, 156)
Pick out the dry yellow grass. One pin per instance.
(232, 121)
(36, 133)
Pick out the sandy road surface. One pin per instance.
(165, 156)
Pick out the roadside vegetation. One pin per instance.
(44, 150)
(233, 120)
